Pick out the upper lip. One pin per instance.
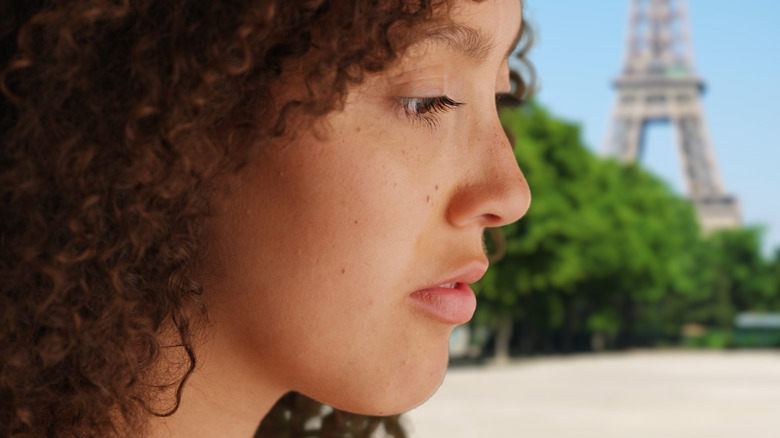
(467, 273)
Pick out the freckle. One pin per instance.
(343, 270)
(356, 222)
(428, 198)
(403, 152)
(357, 129)
(437, 187)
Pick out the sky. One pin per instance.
(579, 49)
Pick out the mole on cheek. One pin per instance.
(343, 270)
(437, 187)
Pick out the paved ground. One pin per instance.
(633, 395)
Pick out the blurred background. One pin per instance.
(612, 313)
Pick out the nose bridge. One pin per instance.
(494, 191)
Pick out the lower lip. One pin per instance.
(448, 305)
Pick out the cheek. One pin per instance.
(320, 247)
(318, 253)
(353, 202)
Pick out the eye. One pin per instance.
(425, 109)
(420, 106)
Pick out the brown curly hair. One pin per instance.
(115, 118)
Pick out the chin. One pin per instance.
(398, 403)
(395, 393)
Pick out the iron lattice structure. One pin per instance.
(659, 83)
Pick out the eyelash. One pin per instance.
(425, 109)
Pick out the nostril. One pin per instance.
(492, 218)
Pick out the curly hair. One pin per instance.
(115, 118)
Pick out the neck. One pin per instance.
(222, 398)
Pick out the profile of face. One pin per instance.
(339, 260)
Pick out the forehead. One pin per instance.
(475, 29)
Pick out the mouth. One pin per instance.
(452, 301)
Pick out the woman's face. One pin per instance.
(339, 261)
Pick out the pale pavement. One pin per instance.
(670, 394)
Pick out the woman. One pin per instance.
(206, 206)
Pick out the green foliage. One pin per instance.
(734, 276)
(711, 339)
(609, 249)
(605, 321)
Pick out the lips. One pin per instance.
(453, 301)
(450, 304)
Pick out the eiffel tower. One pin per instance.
(658, 83)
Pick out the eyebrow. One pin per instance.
(463, 39)
(470, 41)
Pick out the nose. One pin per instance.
(493, 191)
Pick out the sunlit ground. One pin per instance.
(685, 394)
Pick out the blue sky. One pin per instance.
(579, 49)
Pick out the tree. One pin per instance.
(601, 242)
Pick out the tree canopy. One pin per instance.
(609, 255)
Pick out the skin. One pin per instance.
(317, 246)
